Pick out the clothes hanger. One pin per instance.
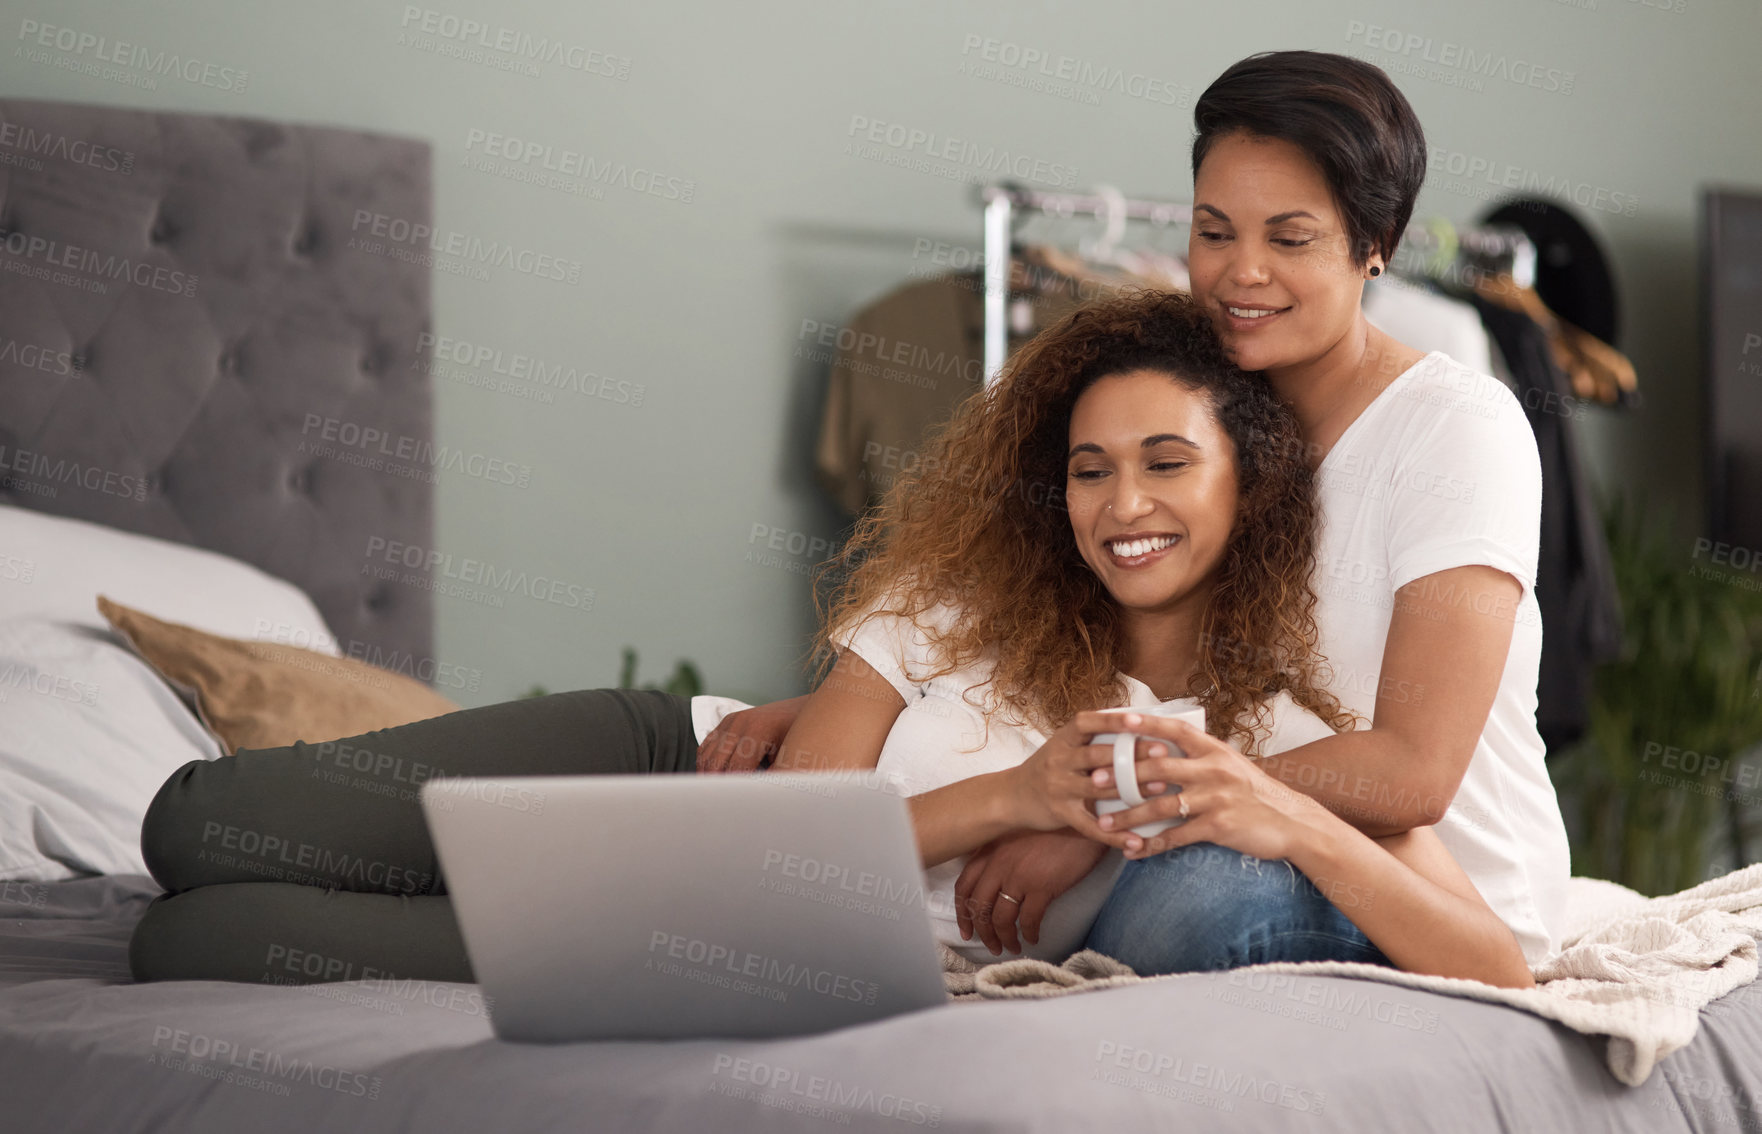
(1597, 371)
(1602, 372)
(1101, 249)
(1144, 266)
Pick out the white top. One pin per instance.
(707, 712)
(1441, 471)
(940, 738)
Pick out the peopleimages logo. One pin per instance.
(42, 467)
(1413, 50)
(103, 49)
(527, 368)
(268, 854)
(370, 442)
(257, 1068)
(1083, 76)
(76, 150)
(60, 686)
(446, 568)
(912, 147)
(1160, 1067)
(782, 976)
(399, 231)
(59, 363)
(784, 1088)
(1503, 177)
(55, 254)
(569, 164)
(511, 42)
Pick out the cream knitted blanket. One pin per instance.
(1634, 969)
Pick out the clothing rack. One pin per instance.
(1442, 244)
(1003, 202)
(1439, 241)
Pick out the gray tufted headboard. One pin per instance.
(191, 348)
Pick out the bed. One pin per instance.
(193, 408)
(81, 1048)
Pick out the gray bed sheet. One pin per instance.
(82, 1048)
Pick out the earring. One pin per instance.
(1376, 271)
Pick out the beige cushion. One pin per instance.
(266, 694)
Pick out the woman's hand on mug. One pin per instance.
(1228, 800)
(1052, 788)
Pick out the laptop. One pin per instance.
(673, 906)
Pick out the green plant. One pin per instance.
(685, 682)
(1670, 717)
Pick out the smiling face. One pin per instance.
(1151, 489)
(1269, 254)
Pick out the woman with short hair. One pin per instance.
(1306, 167)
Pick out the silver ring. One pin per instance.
(1182, 801)
(1016, 900)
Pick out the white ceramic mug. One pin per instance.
(1125, 760)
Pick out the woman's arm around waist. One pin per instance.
(1449, 636)
(1403, 891)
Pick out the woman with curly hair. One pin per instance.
(1125, 520)
(1306, 167)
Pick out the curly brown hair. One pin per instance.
(980, 524)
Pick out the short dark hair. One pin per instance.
(1346, 115)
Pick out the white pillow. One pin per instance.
(54, 567)
(91, 733)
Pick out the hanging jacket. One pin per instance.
(901, 365)
(904, 364)
(1575, 578)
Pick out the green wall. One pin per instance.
(688, 426)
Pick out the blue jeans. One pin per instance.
(1203, 907)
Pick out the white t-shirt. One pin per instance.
(1441, 471)
(940, 738)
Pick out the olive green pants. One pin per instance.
(313, 862)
